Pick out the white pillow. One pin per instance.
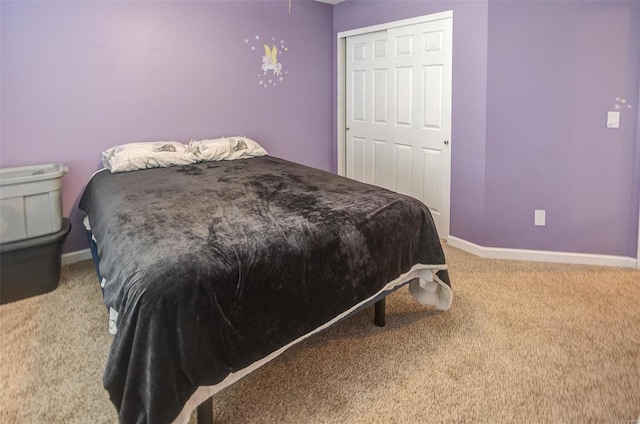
(226, 148)
(209, 149)
(243, 147)
(154, 154)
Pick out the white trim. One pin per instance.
(638, 259)
(395, 24)
(77, 256)
(638, 180)
(542, 256)
(341, 107)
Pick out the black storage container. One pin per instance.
(32, 266)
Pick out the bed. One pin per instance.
(211, 269)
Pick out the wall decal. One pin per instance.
(621, 102)
(270, 60)
(270, 53)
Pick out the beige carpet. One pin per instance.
(522, 343)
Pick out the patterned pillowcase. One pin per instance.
(209, 149)
(225, 148)
(155, 154)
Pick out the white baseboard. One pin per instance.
(542, 256)
(77, 256)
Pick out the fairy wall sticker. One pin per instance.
(272, 70)
(270, 60)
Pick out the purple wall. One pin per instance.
(549, 89)
(78, 77)
(532, 82)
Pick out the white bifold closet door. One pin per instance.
(398, 112)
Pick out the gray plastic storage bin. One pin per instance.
(31, 267)
(30, 201)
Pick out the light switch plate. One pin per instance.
(613, 119)
(539, 217)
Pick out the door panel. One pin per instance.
(434, 41)
(359, 96)
(380, 96)
(431, 169)
(380, 177)
(359, 159)
(404, 45)
(367, 88)
(403, 167)
(432, 96)
(404, 97)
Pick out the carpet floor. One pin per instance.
(523, 342)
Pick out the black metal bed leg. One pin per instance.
(379, 317)
(205, 412)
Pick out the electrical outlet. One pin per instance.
(539, 217)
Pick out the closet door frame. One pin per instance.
(341, 83)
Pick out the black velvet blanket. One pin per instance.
(214, 266)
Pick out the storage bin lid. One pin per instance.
(28, 174)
